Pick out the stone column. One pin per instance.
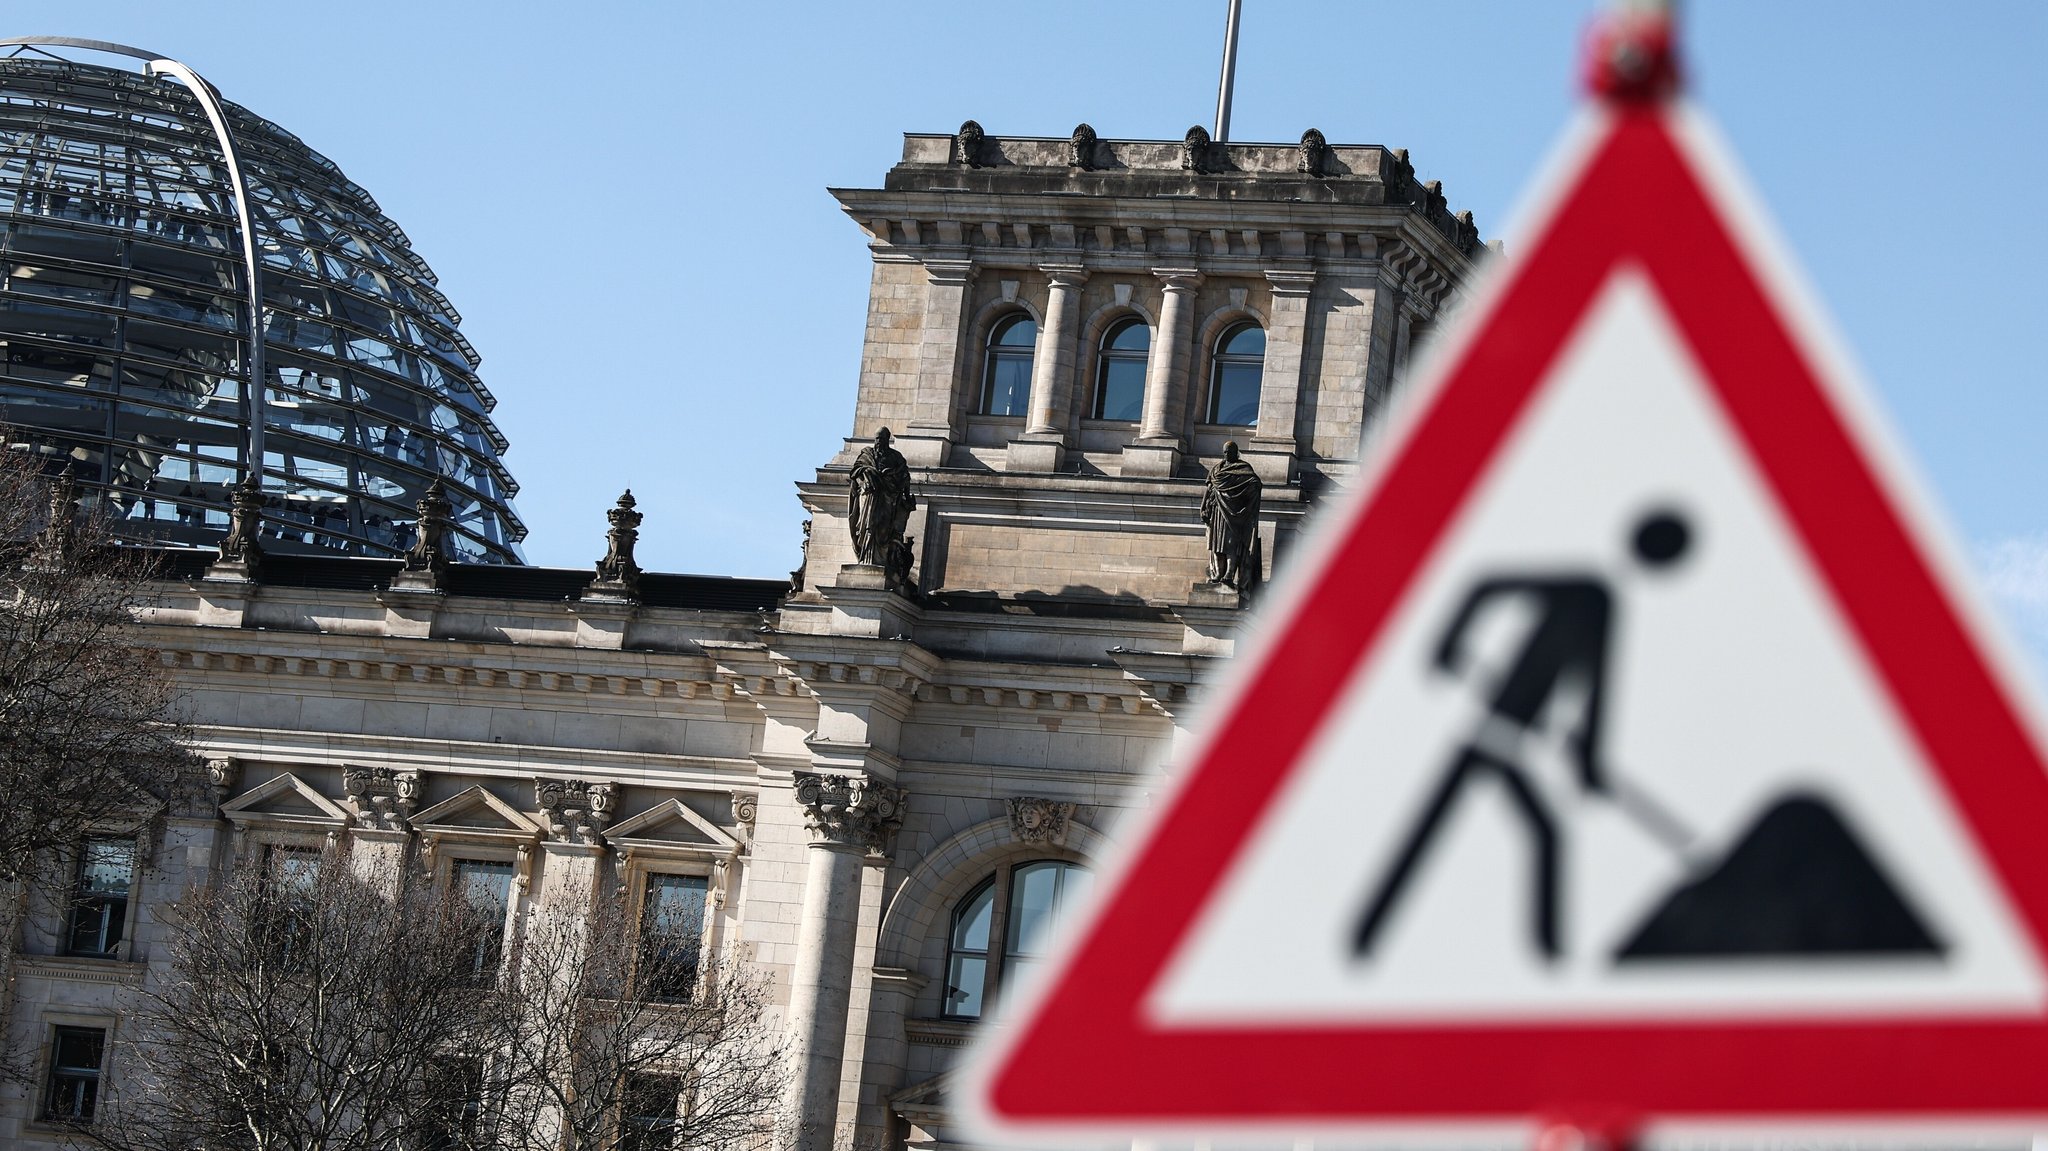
(1272, 448)
(847, 816)
(1052, 376)
(1157, 451)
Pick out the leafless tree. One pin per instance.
(85, 731)
(620, 1036)
(309, 1007)
(87, 738)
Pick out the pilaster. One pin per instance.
(924, 443)
(1274, 444)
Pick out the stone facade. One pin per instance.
(849, 764)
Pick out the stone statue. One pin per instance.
(1081, 148)
(427, 553)
(1194, 149)
(1313, 148)
(60, 525)
(245, 522)
(1230, 511)
(879, 502)
(617, 570)
(969, 139)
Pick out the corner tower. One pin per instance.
(1064, 333)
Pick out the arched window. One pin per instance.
(1006, 373)
(1234, 378)
(1120, 374)
(1019, 907)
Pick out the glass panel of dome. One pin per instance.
(62, 284)
(91, 145)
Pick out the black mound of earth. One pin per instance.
(1798, 883)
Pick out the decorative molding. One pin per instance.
(1036, 820)
(224, 772)
(576, 810)
(746, 805)
(849, 810)
(436, 826)
(385, 796)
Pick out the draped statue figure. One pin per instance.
(1230, 511)
(878, 506)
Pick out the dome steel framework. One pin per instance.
(130, 258)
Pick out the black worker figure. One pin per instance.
(1566, 647)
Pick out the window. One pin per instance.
(290, 909)
(1020, 907)
(653, 1104)
(1120, 374)
(485, 885)
(672, 935)
(99, 900)
(1234, 379)
(75, 1054)
(1006, 375)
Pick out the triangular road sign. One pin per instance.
(1627, 749)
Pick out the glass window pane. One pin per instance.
(1034, 897)
(1009, 384)
(672, 934)
(971, 922)
(1235, 399)
(1129, 336)
(1249, 340)
(1016, 332)
(1120, 393)
(965, 977)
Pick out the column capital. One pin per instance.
(1290, 282)
(1178, 279)
(956, 273)
(1064, 275)
(849, 810)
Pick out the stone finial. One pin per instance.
(1468, 232)
(849, 811)
(1081, 148)
(1035, 820)
(1313, 149)
(967, 144)
(618, 574)
(1194, 150)
(428, 553)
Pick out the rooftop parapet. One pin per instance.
(1310, 171)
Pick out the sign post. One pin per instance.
(1628, 759)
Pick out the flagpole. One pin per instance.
(1229, 75)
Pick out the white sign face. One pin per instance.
(1625, 753)
(1716, 713)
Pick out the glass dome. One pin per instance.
(125, 329)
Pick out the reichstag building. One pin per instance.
(1103, 384)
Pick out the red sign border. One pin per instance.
(1085, 1057)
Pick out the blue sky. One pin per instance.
(627, 201)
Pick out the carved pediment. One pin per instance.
(476, 814)
(285, 800)
(673, 827)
